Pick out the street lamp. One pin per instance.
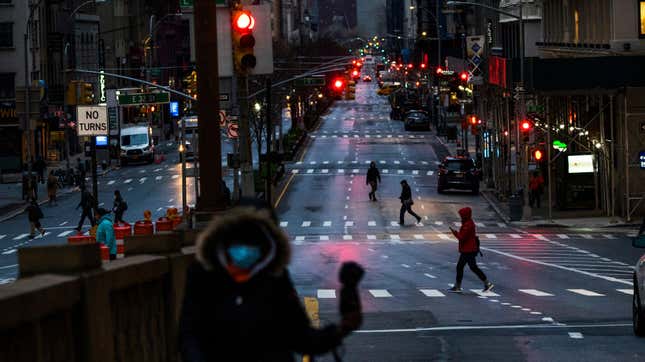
(526, 211)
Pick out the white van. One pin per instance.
(136, 145)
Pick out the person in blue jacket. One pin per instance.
(105, 231)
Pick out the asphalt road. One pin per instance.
(560, 294)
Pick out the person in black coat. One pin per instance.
(373, 177)
(119, 207)
(406, 202)
(34, 214)
(87, 204)
(240, 303)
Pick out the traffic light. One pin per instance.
(463, 76)
(70, 94)
(338, 84)
(350, 94)
(538, 154)
(423, 66)
(356, 74)
(87, 93)
(472, 120)
(243, 41)
(410, 66)
(525, 129)
(439, 70)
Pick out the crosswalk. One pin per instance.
(391, 223)
(342, 171)
(364, 163)
(444, 293)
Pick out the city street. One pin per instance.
(560, 294)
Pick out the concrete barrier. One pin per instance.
(125, 310)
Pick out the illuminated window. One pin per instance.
(641, 18)
(576, 29)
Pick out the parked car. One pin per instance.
(416, 120)
(388, 88)
(638, 306)
(458, 173)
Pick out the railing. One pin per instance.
(70, 306)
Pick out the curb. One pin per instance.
(498, 211)
(18, 211)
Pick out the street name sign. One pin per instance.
(92, 120)
(143, 98)
(310, 82)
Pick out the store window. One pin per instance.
(641, 19)
(6, 35)
(7, 85)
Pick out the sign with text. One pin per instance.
(143, 98)
(92, 120)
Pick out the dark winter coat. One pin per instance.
(87, 201)
(258, 320)
(119, 204)
(373, 175)
(467, 233)
(406, 193)
(34, 213)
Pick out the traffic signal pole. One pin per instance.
(211, 198)
(246, 158)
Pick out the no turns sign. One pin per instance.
(232, 130)
(92, 120)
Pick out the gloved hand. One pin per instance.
(351, 312)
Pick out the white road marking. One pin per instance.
(386, 171)
(418, 236)
(608, 236)
(111, 182)
(405, 266)
(300, 238)
(65, 233)
(430, 173)
(394, 223)
(586, 236)
(349, 223)
(535, 292)
(536, 313)
(547, 319)
(340, 170)
(143, 179)
(484, 294)
(415, 172)
(430, 276)
(397, 162)
(295, 171)
(21, 236)
(326, 294)
(562, 236)
(500, 224)
(159, 209)
(306, 224)
(371, 237)
(311, 170)
(480, 224)
(2, 236)
(491, 236)
(175, 176)
(515, 236)
(443, 236)
(400, 172)
(324, 170)
(284, 224)
(457, 223)
(127, 181)
(158, 178)
(10, 251)
(626, 291)
(438, 222)
(327, 223)
(371, 223)
(347, 237)
(432, 293)
(540, 237)
(324, 237)
(585, 292)
(576, 335)
(380, 293)
(355, 170)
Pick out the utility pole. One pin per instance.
(211, 198)
(246, 158)
(269, 128)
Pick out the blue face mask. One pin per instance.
(244, 256)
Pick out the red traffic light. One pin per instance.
(423, 65)
(244, 21)
(473, 120)
(525, 126)
(410, 66)
(463, 76)
(339, 84)
(537, 155)
(439, 70)
(355, 73)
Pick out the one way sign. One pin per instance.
(92, 120)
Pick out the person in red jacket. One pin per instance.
(468, 249)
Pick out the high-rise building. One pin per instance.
(370, 17)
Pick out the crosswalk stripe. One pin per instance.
(501, 224)
(626, 291)
(371, 223)
(438, 222)
(430, 276)
(295, 171)
(456, 223)
(371, 237)
(111, 182)
(175, 177)
(326, 293)
(491, 236)
(515, 236)
(10, 251)
(418, 236)
(432, 293)
(484, 294)
(327, 223)
(443, 236)
(324, 170)
(535, 292)
(395, 237)
(480, 224)
(380, 293)
(540, 237)
(127, 181)
(65, 233)
(562, 236)
(300, 238)
(576, 335)
(311, 170)
(2, 236)
(586, 236)
(608, 236)
(306, 224)
(394, 223)
(324, 237)
(386, 171)
(347, 237)
(284, 224)
(585, 292)
(415, 172)
(158, 178)
(21, 236)
(349, 223)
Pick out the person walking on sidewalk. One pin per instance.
(40, 166)
(373, 179)
(34, 214)
(536, 185)
(119, 207)
(468, 249)
(406, 202)
(52, 188)
(105, 231)
(87, 204)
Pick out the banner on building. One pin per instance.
(497, 71)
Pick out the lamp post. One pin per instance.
(526, 210)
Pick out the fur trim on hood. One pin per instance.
(249, 225)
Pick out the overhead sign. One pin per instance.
(310, 82)
(92, 120)
(233, 130)
(174, 109)
(580, 163)
(143, 98)
(641, 158)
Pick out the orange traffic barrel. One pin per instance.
(105, 253)
(164, 224)
(121, 230)
(176, 221)
(80, 239)
(143, 228)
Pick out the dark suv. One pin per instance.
(458, 173)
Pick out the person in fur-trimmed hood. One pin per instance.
(240, 303)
